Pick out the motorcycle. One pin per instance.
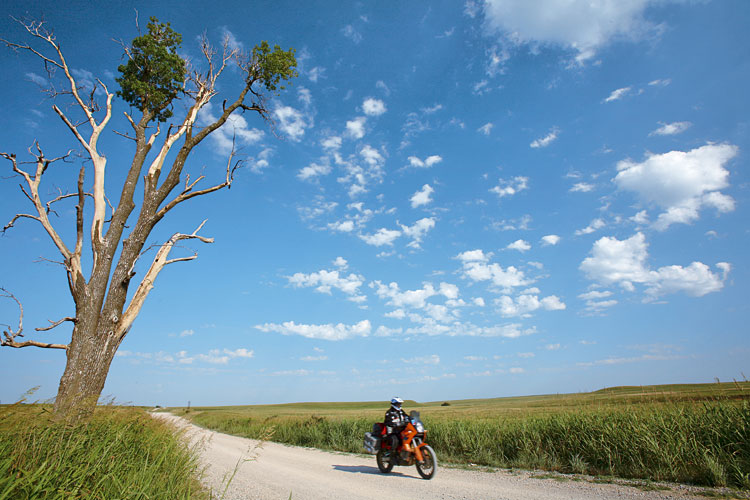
(412, 449)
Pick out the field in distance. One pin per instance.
(505, 407)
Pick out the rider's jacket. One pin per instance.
(395, 418)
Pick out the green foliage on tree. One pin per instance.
(273, 66)
(154, 74)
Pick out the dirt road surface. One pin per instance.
(278, 472)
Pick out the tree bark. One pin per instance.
(89, 357)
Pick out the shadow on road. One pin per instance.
(357, 469)
(364, 469)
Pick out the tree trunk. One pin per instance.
(90, 354)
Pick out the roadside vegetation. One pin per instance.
(696, 434)
(119, 453)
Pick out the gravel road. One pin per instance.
(275, 471)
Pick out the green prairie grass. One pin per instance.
(706, 444)
(121, 453)
(688, 434)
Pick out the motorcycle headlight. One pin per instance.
(419, 427)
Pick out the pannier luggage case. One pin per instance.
(372, 442)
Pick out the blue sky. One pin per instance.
(458, 200)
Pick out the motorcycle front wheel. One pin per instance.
(385, 463)
(428, 467)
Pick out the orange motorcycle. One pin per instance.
(412, 450)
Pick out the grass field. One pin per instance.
(121, 453)
(696, 434)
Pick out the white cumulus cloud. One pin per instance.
(545, 141)
(525, 304)
(344, 226)
(236, 132)
(583, 26)
(476, 267)
(618, 94)
(520, 245)
(581, 187)
(426, 163)
(331, 143)
(423, 360)
(671, 128)
(681, 183)
(422, 197)
(338, 331)
(417, 231)
(624, 263)
(371, 156)
(595, 225)
(473, 256)
(486, 129)
(381, 237)
(597, 300)
(373, 107)
(292, 122)
(356, 128)
(550, 240)
(313, 171)
(510, 187)
(326, 280)
(415, 299)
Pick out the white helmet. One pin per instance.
(396, 402)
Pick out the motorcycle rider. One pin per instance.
(395, 421)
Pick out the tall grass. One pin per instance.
(706, 443)
(121, 453)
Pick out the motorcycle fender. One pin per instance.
(418, 452)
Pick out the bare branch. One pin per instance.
(26, 193)
(54, 324)
(153, 137)
(169, 242)
(204, 95)
(37, 30)
(130, 119)
(204, 91)
(188, 192)
(147, 284)
(63, 197)
(5, 293)
(9, 335)
(109, 204)
(19, 216)
(44, 259)
(189, 185)
(42, 164)
(183, 259)
(33, 343)
(73, 128)
(126, 136)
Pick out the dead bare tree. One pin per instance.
(154, 78)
